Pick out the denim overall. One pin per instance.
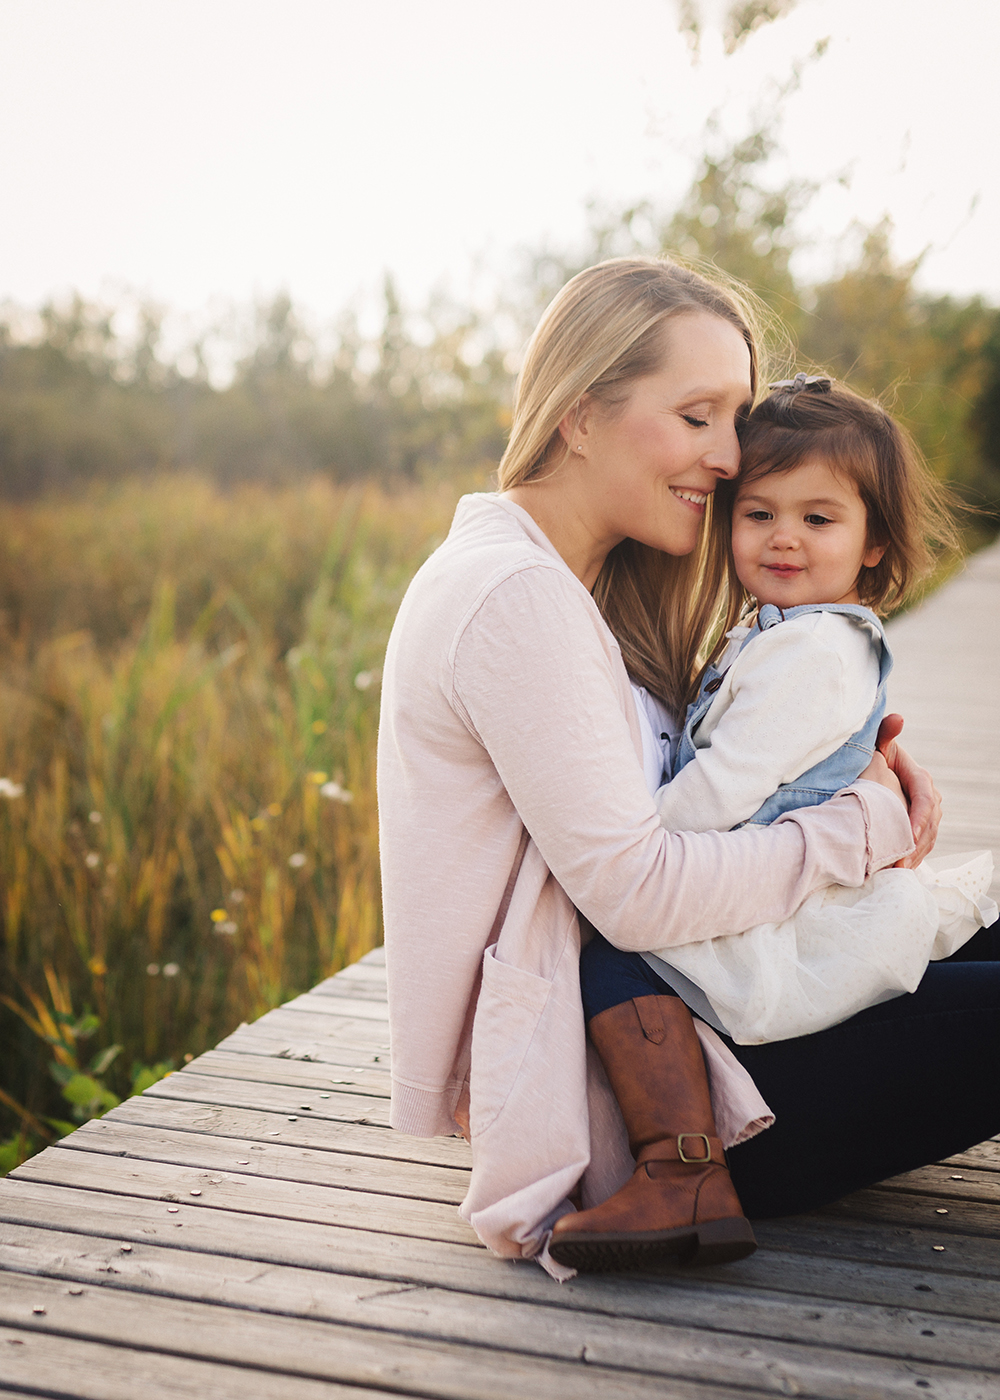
(831, 774)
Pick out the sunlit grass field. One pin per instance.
(188, 828)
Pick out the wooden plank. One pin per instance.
(547, 1327)
(921, 1212)
(598, 1357)
(249, 1194)
(872, 1240)
(334, 1249)
(249, 1125)
(85, 1370)
(944, 1182)
(326, 1168)
(293, 1045)
(329, 1005)
(296, 1073)
(370, 988)
(300, 1024)
(340, 1107)
(945, 683)
(362, 1356)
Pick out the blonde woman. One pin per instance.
(512, 795)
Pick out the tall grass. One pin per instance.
(188, 708)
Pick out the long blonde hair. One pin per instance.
(603, 331)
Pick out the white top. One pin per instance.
(789, 699)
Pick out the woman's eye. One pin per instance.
(694, 421)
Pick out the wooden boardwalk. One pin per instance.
(249, 1227)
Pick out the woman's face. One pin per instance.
(652, 463)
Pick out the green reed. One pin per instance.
(188, 711)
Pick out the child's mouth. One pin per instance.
(784, 570)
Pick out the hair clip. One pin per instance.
(817, 383)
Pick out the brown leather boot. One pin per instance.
(681, 1203)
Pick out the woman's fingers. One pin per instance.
(888, 731)
(925, 804)
(922, 796)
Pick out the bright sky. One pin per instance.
(197, 149)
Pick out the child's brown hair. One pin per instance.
(909, 511)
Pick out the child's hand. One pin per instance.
(923, 798)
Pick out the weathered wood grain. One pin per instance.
(102, 1220)
(363, 1356)
(945, 683)
(190, 1189)
(541, 1325)
(572, 1353)
(341, 1106)
(321, 1133)
(295, 1073)
(327, 1004)
(320, 1168)
(86, 1370)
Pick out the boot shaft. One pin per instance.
(652, 1055)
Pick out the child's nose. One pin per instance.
(784, 536)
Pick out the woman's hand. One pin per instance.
(915, 785)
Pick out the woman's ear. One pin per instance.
(873, 555)
(573, 424)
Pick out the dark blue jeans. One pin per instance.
(895, 1087)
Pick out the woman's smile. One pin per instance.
(698, 499)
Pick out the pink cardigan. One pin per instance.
(504, 701)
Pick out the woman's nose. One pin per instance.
(724, 458)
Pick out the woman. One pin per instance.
(511, 793)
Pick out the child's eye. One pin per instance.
(817, 520)
(694, 421)
(759, 515)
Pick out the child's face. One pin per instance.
(801, 537)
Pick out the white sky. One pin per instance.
(191, 149)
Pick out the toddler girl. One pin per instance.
(827, 524)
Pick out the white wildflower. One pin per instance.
(236, 896)
(364, 680)
(336, 793)
(227, 926)
(297, 861)
(153, 969)
(92, 860)
(9, 789)
(171, 969)
(96, 818)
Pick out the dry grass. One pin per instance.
(189, 699)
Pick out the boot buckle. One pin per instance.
(701, 1161)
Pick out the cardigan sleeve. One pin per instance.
(539, 688)
(793, 696)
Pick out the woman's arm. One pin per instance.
(539, 684)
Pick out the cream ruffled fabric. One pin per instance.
(842, 951)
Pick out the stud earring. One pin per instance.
(579, 448)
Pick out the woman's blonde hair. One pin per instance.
(910, 513)
(602, 332)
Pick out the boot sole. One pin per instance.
(692, 1246)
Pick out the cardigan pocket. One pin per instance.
(510, 1005)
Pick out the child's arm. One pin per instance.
(795, 694)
